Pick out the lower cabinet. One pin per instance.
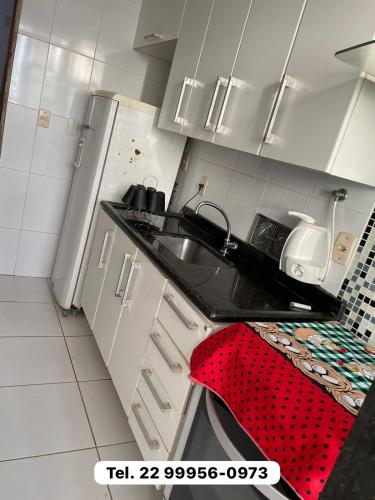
(113, 299)
(146, 331)
(142, 302)
(97, 267)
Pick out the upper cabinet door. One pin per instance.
(319, 93)
(225, 30)
(185, 64)
(265, 48)
(159, 21)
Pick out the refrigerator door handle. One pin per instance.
(78, 158)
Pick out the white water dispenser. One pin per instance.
(307, 251)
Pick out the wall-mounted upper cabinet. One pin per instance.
(223, 37)
(260, 76)
(185, 64)
(260, 64)
(313, 121)
(159, 26)
(226, 91)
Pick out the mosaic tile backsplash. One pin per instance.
(358, 289)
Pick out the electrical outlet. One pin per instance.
(343, 248)
(44, 117)
(203, 189)
(185, 160)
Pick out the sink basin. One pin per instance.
(190, 251)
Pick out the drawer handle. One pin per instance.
(163, 405)
(153, 444)
(189, 323)
(174, 367)
(107, 239)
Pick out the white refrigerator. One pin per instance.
(120, 146)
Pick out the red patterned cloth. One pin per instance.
(289, 417)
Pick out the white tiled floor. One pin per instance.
(59, 410)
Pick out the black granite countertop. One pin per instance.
(245, 286)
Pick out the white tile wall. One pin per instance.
(106, 76)
(36, 254)
(66, 83)
(20, 126)
(245, 184)
(37, 18)
(76, 25)
(65, 49)
(13, 186)
(117, 31)
(8, 250)
(28, 71)
(45, 204)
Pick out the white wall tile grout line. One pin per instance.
(48, 454)
(54, 383)
(74, 371)
(75, 374)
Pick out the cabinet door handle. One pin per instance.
(174, 367)
(187, 82)
(287, 81)
(189, 323)
(153, 35)
(163, 405)
(120, 289)
(153, 444)
(220, 82)
(134, 267)
(78, 158)
(106, 240)
(220, 129)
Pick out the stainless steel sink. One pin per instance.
(189, 250)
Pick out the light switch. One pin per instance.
(72, 127)
(343, 248)
(44, 117)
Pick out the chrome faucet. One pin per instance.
(228, 245)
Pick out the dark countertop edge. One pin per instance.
(217, 316)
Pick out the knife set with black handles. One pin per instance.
(142, 199)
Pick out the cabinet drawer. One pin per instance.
(170, 366)
(183, 323)
(158, 403)
(145, 432)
